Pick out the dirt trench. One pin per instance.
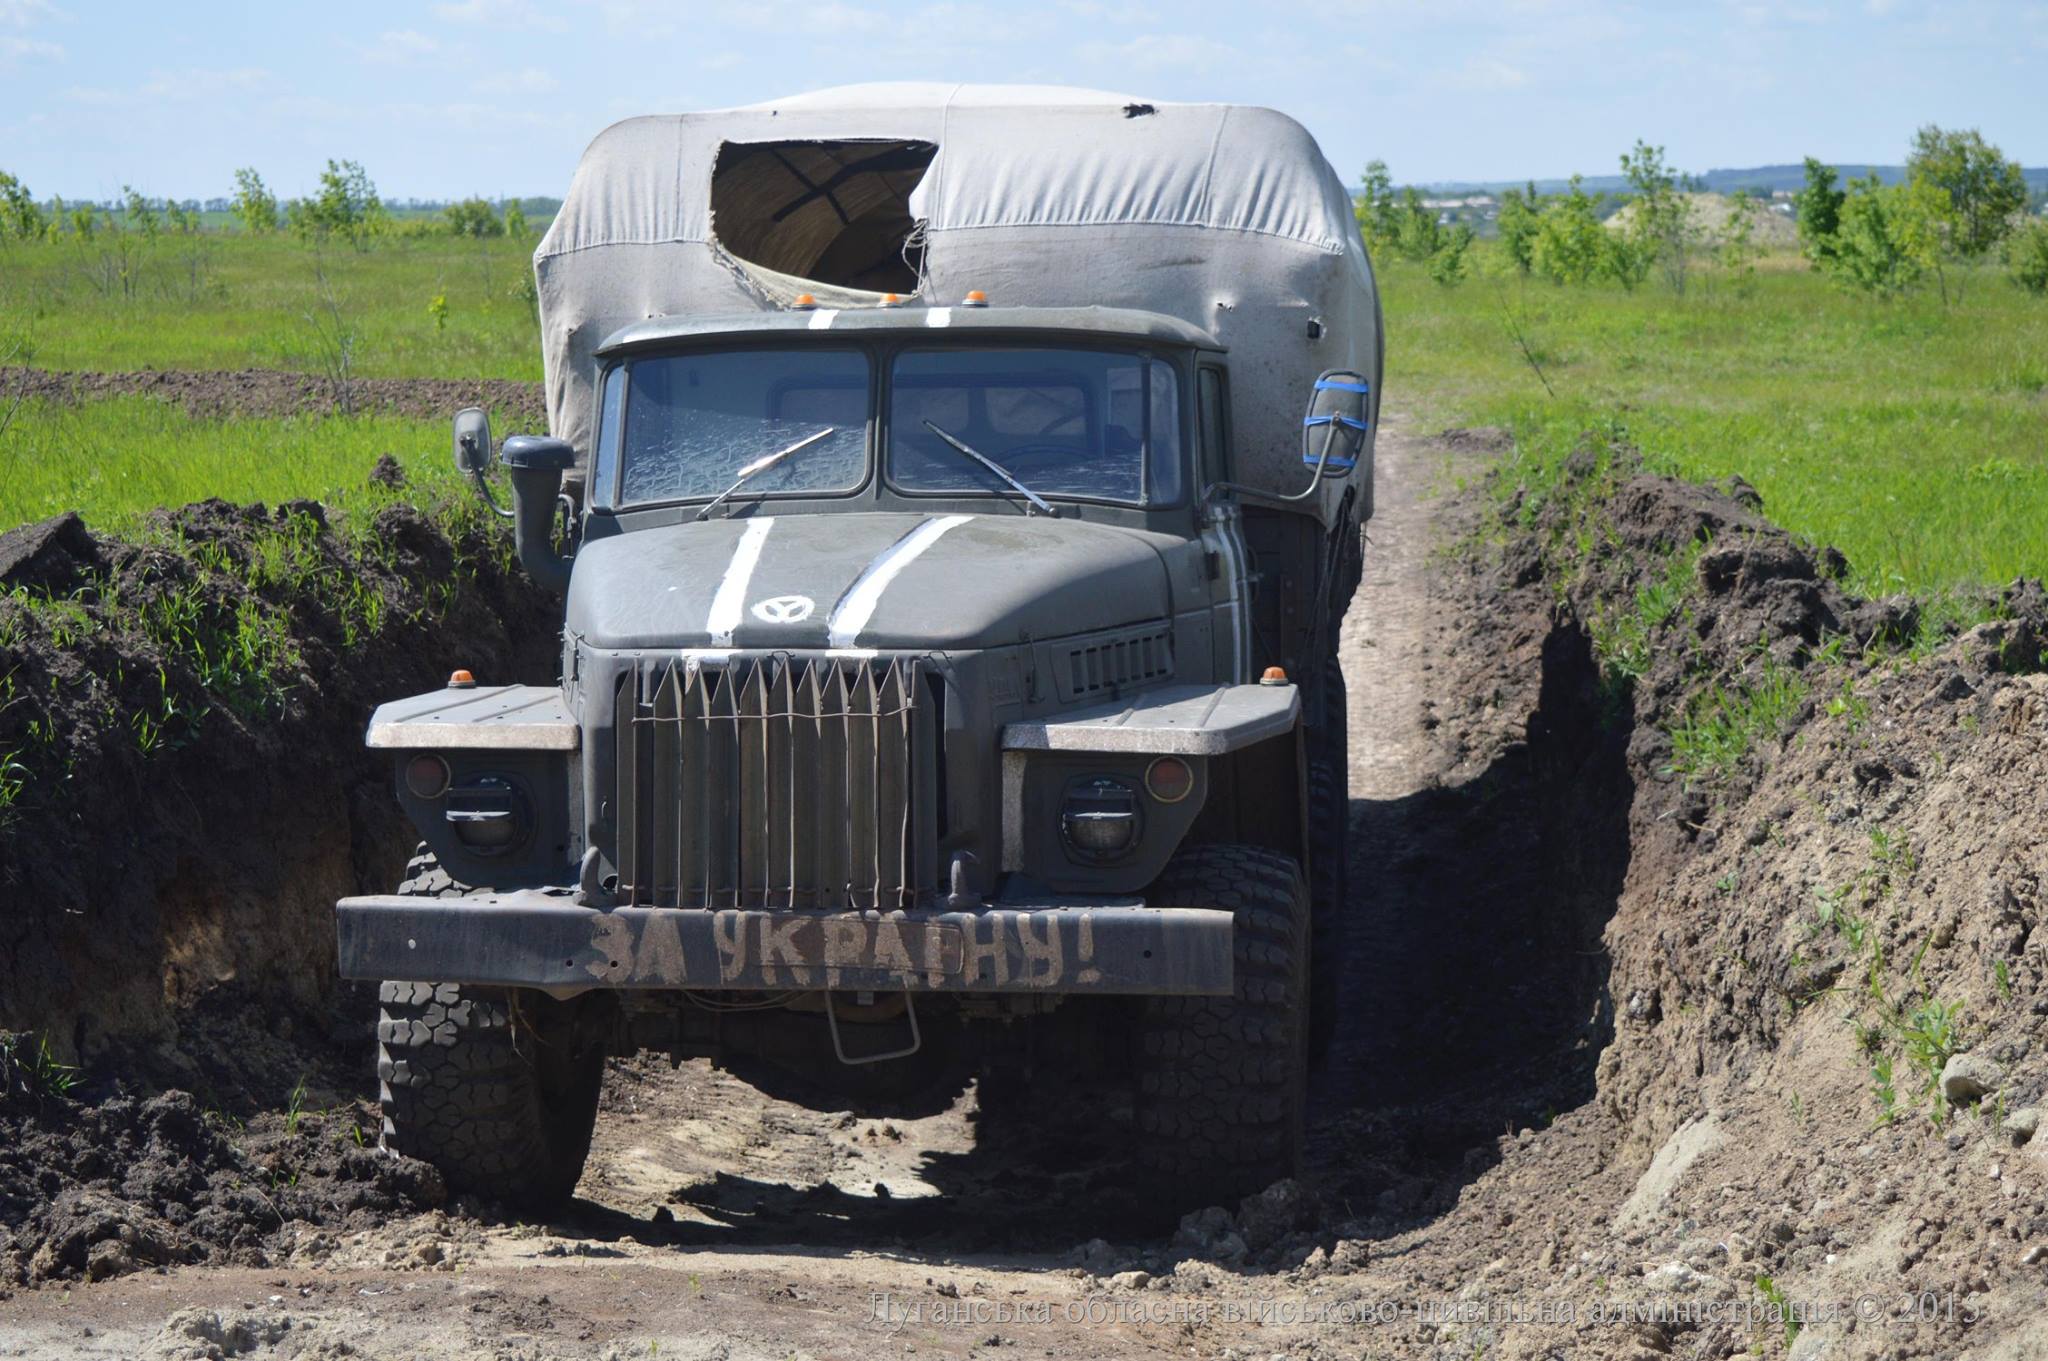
(698, 1175)
(1598, 1090)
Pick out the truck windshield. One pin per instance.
(1065, 422)
(689, 422)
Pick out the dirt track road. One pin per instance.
(716, 1222)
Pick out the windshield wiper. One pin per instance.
(762, 465)
(998, 469)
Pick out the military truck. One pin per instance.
(955, 492)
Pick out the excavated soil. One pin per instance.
(182, 721)
(214, 394)
(1636, 1061)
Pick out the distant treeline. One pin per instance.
(1958, 204)
(346, 206)
(1757, 180)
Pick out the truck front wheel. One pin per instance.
(496, 1087)
(1223, 1081)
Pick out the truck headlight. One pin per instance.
(1100, 818)
(488, 814)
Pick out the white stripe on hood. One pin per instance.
(857, 606)
(731, 598)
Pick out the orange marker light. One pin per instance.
(459, 679)
(804, 302)
(891, 300)
(1275, 675)
(975, 298)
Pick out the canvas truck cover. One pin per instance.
(1226, 217)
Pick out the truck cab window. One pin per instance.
(692, 421)
(1215, 435)
(1092, 424)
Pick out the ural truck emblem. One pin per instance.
(784, 609)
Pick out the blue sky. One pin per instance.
(452, 97)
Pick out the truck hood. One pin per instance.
(865, 580)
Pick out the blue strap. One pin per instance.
(1335, 462)
(1308, 421)
(1332, 385)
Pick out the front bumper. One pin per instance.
(542, 938)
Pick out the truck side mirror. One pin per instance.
(535, 464)
(472, 441)
(1339, 415)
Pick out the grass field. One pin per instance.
(230, 302)
(115, 460)
(1912, 436)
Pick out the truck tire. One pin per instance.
(1329, 847)
(496, 1087)
(1223, 1081)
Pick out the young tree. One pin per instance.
(1571, 245)
(1447, 262)
(2026, 251)
(346, 205)
(1885, 242)
(255, 207)
(1660, 223)
(1517, 223)
(1981, 191)
(1377, 208)
(142, 215)
(474, 217)
(1417, 233)
(1818, 212)
(1738, 247)
(515, 220)
(20, 216)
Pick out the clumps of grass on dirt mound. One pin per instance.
(1817, 1041)
(88, 1192)
(183, 789)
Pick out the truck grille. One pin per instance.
(778, 782)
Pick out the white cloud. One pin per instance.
(532, 81)
(198, 82)
(1119, 13)
(499, 14)
(185, 85)
(1161, 52)
(22, 13)
(1488, 73)
(400, 45)
(16, 50)
(721, 61)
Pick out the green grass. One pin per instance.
(1722, 724)
(227, 302)
(33, 1069)
(114, 460)
(1907, 434)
